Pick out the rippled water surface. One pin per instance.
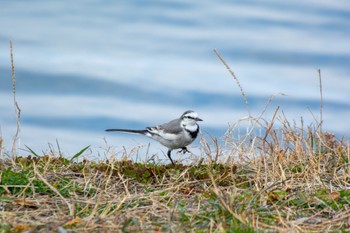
(84, 66)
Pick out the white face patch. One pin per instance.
(193, 115)
(191, 127)
(188, 122)
(189, 118)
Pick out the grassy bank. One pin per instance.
(288, 179)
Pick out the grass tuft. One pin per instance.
(284, 184)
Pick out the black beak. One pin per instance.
(198, 119)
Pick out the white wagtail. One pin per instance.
(175, 134)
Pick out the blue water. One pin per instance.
(84, 66)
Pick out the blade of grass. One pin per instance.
(79, 153)
(31, 151)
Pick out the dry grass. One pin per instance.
(278, 176)
(295, 182)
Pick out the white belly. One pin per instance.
(173, 141)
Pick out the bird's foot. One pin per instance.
(184, 150)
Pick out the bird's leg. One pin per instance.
(184, 150)
(169, 155)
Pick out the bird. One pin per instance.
(176, 134)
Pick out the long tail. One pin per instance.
(127, 131)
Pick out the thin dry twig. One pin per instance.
(236, 79)
(71, 213)
(17, 109)
(321, 99)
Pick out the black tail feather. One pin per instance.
(143, 131)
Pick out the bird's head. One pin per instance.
(190, 117)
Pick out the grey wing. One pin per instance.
(172, 127)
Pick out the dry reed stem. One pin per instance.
(236, 79)
(321, 99)
(17, 109)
